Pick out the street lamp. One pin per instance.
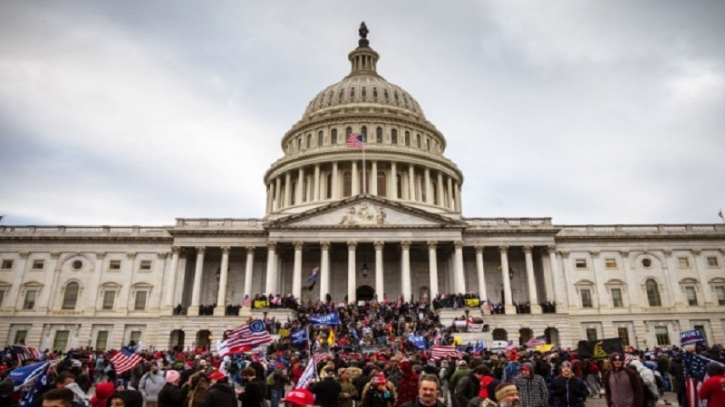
(365, 270)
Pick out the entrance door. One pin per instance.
(365, 293)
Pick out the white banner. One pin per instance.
(498, 345)
(475, 327)
(460, 324)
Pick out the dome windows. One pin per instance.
(407, 139)
(341, 95)
(364, 132)
(309, 141)
(395, 96)
(417, 140)
(320, 138)
(379, 135)
(333, 137)
(375, 93)
(352, 93)
(394, 137)
(385, 94)
(364, 93)
(348, 131)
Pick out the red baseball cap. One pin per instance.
(300, 397)
(216, 375)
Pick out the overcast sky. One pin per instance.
(139, 112)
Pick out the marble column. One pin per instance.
(351, 284)
(393, 182)
(451, 201)
(374, 179)
(600, 290)
(460, 275)
(379, 283)
(702, 276)
(11, 302)
(411, 184)
(439, 190)
(270, 190)
(248, 272)
(355, 179)
(405, 261)
(324, 270)
(335, 184)
(457, 192)
(278, 193)
(221, 300)
(427, 186)
(271, 282)
(297, 271)
(633, 288)
(507, 297)
(481, 274)
(316, 190)
(433, 267)
(287, 189)
(560, 296)
(196, 288)
(533, 295)
(671, 267)
(299, 197)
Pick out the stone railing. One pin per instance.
(226, 223)
(498, 223)
(84, 231)
(575, 230)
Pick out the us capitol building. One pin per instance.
(392, 224)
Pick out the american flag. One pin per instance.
(125, 360)
(695, 374)
(537, 341)
(440, 352)
(320, 356)
(307, 375)
(252, 334)
(24, 353)
(355, 140)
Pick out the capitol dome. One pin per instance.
(403, 157)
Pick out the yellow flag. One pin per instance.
(544, 348)
(331, 338)
(456, 341)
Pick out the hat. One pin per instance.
(300, 397)
(379, 379)
(566, 364)
(504, 390)
(491, 390)
(616, 356)
(462, 363)
(216, 375)
(526, 367)
(172, 376)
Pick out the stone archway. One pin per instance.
(500, 334)
(552, 336)
(365, 293)
(176, 340)
(524, 335)
(203, 338)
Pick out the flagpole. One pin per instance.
(365, 184)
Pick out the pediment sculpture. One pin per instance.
(362, 215)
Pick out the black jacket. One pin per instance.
(467, 388)
(170, 396)
(220, 395)
(253, 395)
(326, 392)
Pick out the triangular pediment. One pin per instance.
(365, 211)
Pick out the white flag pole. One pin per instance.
(365, 184)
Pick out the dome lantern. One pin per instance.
(363, 59)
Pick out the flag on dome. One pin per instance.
(355, 140)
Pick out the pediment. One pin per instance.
(365, 212)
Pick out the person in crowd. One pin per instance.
(220, 393)
(194, 389)
(171, 395)
(677, 371)
(59, 397)
(126, 398)
(649, 386)
(151, 384)
(379, 392)
(327, 390)
(276, 381)
(713, 389)
(567, 390)
(490, 399)
(507, 395)
(6, 391)
(428, 391)
(298, 398)
(591, 373)
(462, 370)
(469, 385)
(103, 392)
(407, 384)
(348, 392)
(622, 386)
(253, 392)
(532, 387)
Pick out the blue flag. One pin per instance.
(327, 319)
(299, 337)
(417, 341)
(32, 378)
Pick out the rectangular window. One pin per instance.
(720, 292)
(38, 264)
(109, 297)
(617, 301)
(691, 295)
(591, 334)
(30, 297)
(610, 263)
(140, 302)
(21, 336)
(145, 265)
(114, 265)
(712, 261)
(662, 335)
(101, 340)
(580, 263)
(683, 262)
(135, 336)
(2, 297)
(61, 340)
(586, 298)
(623, 334)
(7, 264)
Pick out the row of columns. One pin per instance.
(280, 196)
(272, 276)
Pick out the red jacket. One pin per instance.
(712, 391)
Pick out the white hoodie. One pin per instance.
(648, 377)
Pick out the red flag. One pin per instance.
(691, 392)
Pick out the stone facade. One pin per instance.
(390, 222)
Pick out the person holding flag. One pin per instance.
(713, 388)
(312, 279)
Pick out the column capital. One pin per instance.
(325, 245)
(379, 244)
(667, 252)
(200, 249)
(55, 255)
(595, 253)
(298, 245)
(351, 244)
(131, 255)
(24, 255)
(624, 253)
(528, 249)
(271, 245)
(225, 249)
(479, 249)
(250, 249)
(162, 255)
(100, 255)
(432, 244)
(458, 244)
(564, 253)
(503, 249)
(551, 249)
(405, 244)
(696, 251)
(175, 249)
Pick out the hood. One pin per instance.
(637, 365)
(223, 387)
(105, 390)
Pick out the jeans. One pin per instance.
(276, 397)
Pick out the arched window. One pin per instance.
(70, 297)
(352, 93)
(364, 93)
(417, 140)
(382, 184)
(364, 132)
(348, 131)
(407, 138)
(375, 93)
(293, 195)
(393, 136)
(329, 186)
(379, 135)
(309, 141)
(333, 137)
(653, 293)
(347, 184)
(299, 144)
(341, 95)
(320, 138)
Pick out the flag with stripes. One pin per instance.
(537, 341)
(695, 375)
(125, 360)
(320, 356)
(307, 376)
(24, 353)
(355, 140)
(252, 334)
(441, 351)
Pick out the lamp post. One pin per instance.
(365, 270)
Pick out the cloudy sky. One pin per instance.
(139, 112)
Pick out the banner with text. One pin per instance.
(599, 349)
(475, 327)
(327, 319)
(690, 337)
